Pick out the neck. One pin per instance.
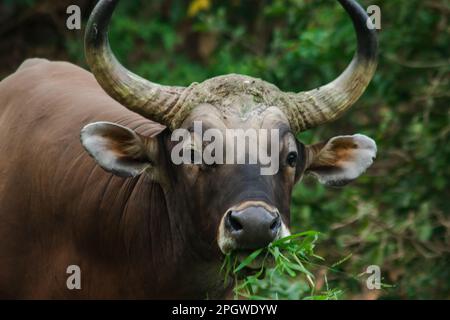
(150, 239)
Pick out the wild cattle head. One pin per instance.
(231, 205)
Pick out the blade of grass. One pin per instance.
(248, 260)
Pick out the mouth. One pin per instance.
(256, 264)
(242, 265)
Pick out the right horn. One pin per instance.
(151, 100)
(309, 109)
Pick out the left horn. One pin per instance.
(153, 101)
(324, 104)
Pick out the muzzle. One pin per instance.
(249, 226)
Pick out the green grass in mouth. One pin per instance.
(291, 256)
(289, 275)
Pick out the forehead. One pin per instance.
(212, 117)
(264, 130)
(235, 101)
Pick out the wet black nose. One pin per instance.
(253, 227)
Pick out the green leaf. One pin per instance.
(248, 260)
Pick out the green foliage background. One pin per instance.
(395, 216)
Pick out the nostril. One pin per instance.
(233, 223)
(275, 224)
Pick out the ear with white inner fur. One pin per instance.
(341, 159)
(115, 148)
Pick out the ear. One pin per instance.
(341, 159)
(117, 149)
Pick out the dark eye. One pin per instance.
(291, 159)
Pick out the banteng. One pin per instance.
(115, 204)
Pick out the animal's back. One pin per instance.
(48, 183)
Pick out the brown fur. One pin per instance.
(58, 208)
(131, 237)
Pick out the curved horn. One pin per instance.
(324, 104)
(151, 100)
